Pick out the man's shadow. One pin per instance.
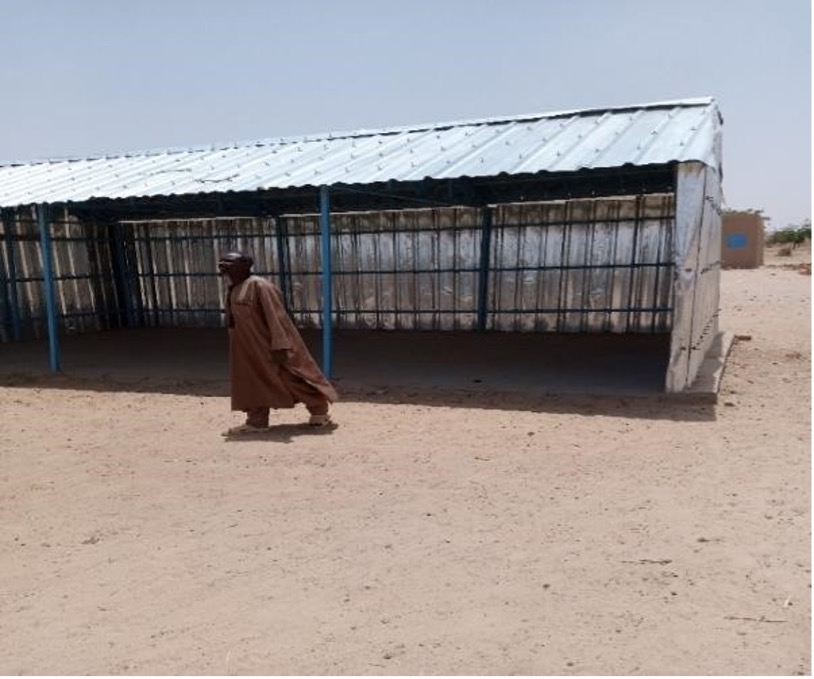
(282, 433)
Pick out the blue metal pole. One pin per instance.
(327, 293)
(13, 298)
(49, 285)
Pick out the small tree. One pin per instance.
(793, 234)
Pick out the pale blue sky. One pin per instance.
(83, 77)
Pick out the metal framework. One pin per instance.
(582, 252)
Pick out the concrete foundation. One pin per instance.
(177, 359)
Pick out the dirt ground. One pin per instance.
(450, 534)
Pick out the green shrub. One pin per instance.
(794, 235)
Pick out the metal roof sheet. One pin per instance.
(659, 133)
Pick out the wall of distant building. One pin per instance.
(743, 238)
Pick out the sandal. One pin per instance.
(319, 420)
(244, 429)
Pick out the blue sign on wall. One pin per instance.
(736, 241)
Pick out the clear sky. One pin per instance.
(83, 77)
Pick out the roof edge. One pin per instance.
(294, 139)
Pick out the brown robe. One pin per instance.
(258, 325)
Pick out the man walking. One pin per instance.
(270, 366)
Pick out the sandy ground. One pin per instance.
(452, 534)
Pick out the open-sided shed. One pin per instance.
(593, 221)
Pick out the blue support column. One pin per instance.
(13, 297)
(327, 291)
(49, 286)
(483, 272)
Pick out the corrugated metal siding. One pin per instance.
(601, 265)
(697, 272)
(706, 302)
(583, 266)
(85, 292)
(649, 134)
(175, 266)
(403, 269)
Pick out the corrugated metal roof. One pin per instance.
(687, 130)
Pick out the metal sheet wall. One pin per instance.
(697, 279)
(174, 266)
(574, 266)
(405, 269)
(706, 304)
(601, 265)
(85, 293)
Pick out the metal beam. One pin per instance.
(390, 195)
(327, 291)
(49, 286)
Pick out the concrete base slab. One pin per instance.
(708, 381)
(489, 363)
(536, 364)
